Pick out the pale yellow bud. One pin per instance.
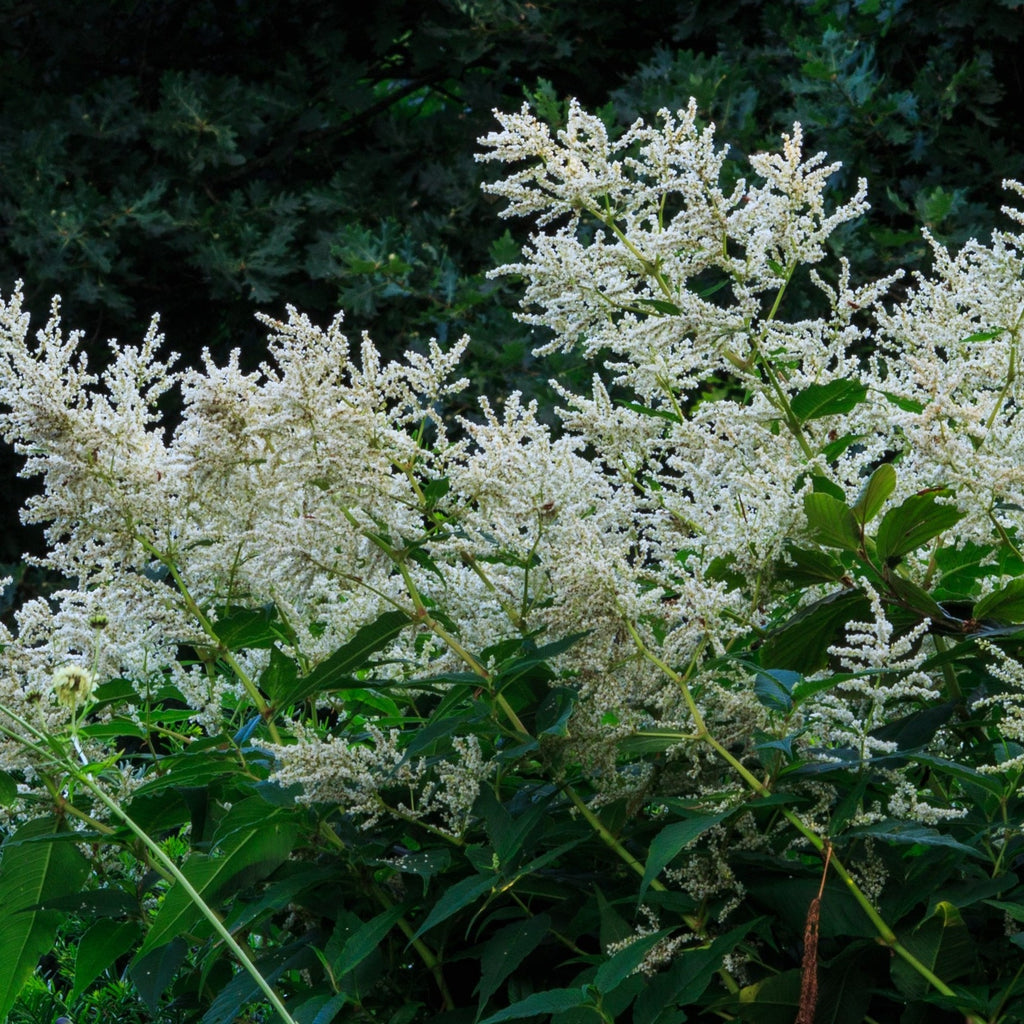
(73, 685)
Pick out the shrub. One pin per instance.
(709, 704)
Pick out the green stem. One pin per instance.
(1011, 376)
(1003, 535)
(65, 806)
(515, 617)
(953, 691)
(218, 926)
(422, 614)
(887, 935)
(627, 858)
(612, 843)
(45, 751)
(650, 268)
(425, 953)
(781, 400)
(192, 606)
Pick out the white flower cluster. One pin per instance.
(884, 681)
(640, 253)
(357, 776)
(327, 483)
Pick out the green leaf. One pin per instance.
(555, 711)
(913, 834)
(504, 249)
(646, 410)
(835, 448)
(255, 848)
(683, 982)
(671, 840)
(31, 872)
(434, 490)
(943, 944)
(461, 894)
(773, 1000)
(831, 521)
(982, 336)
(810, 566)
(962, 567)
(774, 688)
(620, 966)
(363, 941)
(556, 1000)
(153, 973)
(906, 404)
(191, 769)
(1014, 910)
(115, 692)
(8, 789)
(531, 658)
(278, 679)
(507, 834)
(242, 989)
(984, 780)
(244, 628)
(661, 306)
(913, 523)
(335, 672)
(98, 948)
(118, 728)
(506, 950)
(442, 726)
(425, 864)
(822, 485)
(833, 398)
(916, 729)
(878, 488)
(320, 1008)
(811, 687)
(277, 894)
(98, 903)
(802, 643)
(652, 740)
(1005, 604)
(915, 598)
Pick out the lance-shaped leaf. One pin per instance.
(914, 523)
(880, 485)
(363, 941)
(556, 1000)
(256, 848)
(506, 950)
(1005, 604)
(774, 688)
(336, 671)
(831, 521)
(671, 840)
(98, 948)
(943, 944)
(831, 399)
(32, 870)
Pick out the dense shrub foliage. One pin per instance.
(707, 704)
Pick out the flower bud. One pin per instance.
(73, 685)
